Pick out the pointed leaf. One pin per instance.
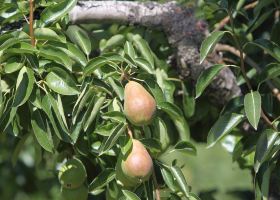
(264, 147)
(206, 77)
(56, 11)
(24, 86)
(209, 43)
(177, 117)
(61, 82)
(180, 179)
(252, 105)
(223, 126)
(40, 131)
(130, 195)
(102, 180)
(79, 37)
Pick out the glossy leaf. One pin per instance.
(56, 11)
(264, 147)
(222, 127)
(252, 105)
(79, 37)
(46, 34)
(40, 131)
(102, 180)
(180, 179)
(177, 117)
(111, 140)
(61, 82)
(130, 195)
(206, 77)
(129, 49)
(144, 49)
(55, 54)
(209, 43)
(24, 86)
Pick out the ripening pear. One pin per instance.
(72, 174)
(139, 104)
(136, 167)
(80, 193)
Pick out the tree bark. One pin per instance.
(184, 32)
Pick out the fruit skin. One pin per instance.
(135, 167)
(72, 174)
(139, 104)
(80, 193)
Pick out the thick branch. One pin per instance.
(184, 32)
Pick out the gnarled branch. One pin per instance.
(184, 32)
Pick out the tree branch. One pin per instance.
(184, 33)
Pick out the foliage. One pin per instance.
(63, 98)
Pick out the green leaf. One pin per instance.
(144, 49)
(177, 117)
(223, 126)
(252, 105)
(209, 43)
(46, 34)
(96, 63)
(145, 65)
(56, 11)
(50, 108)
(55, 54)
(168, 179)
(102, 180)
(115, 116)
(130, 195)
(40, 131)
(79, 37)
(24, 86)
(264, 146)
(160, 132)
(271, 71)
(188, 103)
(184, 147)
(180, 179)
(14, 64)
(156, 90)
(117, 87)
(61, 82)
(115, 40)
(270, 47)
(129, 49)
(111, 140)
(95, 110)
(206, 77)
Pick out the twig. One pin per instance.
(224, 21)
(156, 185)
(31, 31)
(251, 62)
(243, 71)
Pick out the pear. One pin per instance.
(80, 193)
(139, 104)
(135, 167)
(72, 174)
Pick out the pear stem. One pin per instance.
(156, 185)
(129, 132)
(31, 31)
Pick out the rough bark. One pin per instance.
(184, 32)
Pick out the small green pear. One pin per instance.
(139, 104)
(80, 193)
(72, 174)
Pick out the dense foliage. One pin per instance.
(62, 102)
